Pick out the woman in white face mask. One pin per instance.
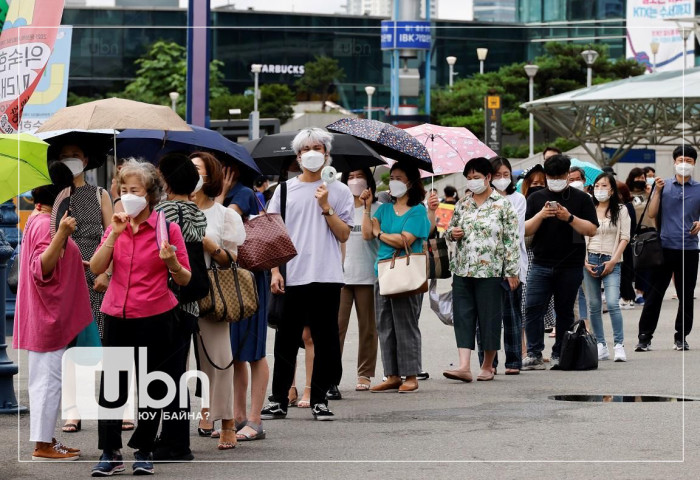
(139, 308)
(602, 266)
(484, 267)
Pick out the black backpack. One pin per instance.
(198, 287)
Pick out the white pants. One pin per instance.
(44, 394)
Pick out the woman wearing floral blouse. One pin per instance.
(485, 227)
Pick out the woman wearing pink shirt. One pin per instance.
(53, 306)
(140, 310)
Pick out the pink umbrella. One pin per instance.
(450, 148)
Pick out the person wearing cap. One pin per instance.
(677, 201)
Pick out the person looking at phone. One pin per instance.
(558, 217)
(603, 263)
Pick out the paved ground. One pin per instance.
(507, 428)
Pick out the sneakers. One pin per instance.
(143, 464)
(620, 355)
(423, 375)
(681, 345)
(55, 452)
(322, 413)
(554, 364)
(533, 363)
(110, 463)
(626, 304)
(643, 346)
(603, 353)
(639, 300)
(273, 411)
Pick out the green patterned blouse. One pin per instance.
(489, 247)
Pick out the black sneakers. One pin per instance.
(321, 412)
(681, 345)
(273, 411)
(643, 346)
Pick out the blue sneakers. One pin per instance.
(143, 464)
(110, 463)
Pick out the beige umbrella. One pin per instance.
(116, 114)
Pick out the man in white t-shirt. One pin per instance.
(319, 217)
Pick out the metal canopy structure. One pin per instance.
(654, 109)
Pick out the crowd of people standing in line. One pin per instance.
(521, 263)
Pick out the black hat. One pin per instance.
(609, 170)
(537, 168)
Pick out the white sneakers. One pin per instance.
(626, 304)
(620, 355)
(603, 353)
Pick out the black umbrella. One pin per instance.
(95, 144)
(273, 152)
(386, 139)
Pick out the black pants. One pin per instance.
(676, 263)
(627, 275)
(157, 335)
(175, 432)
(315, 305)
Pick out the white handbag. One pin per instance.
(403, 275)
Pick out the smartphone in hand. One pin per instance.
(598, 269)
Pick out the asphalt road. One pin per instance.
(508, 428)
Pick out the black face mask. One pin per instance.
(532, 190)
(639, 185)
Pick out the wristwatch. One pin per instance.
(329, 213)
(571, 219)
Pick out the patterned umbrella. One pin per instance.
(450, 148)
(387, 140)
(591, 170)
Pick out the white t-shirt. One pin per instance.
(520, 205)
(360, 254)
(225, 227)
(318, 257)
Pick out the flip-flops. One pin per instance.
(72, 427)
(258, 435)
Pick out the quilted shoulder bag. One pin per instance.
(403, 275)
(233, 294)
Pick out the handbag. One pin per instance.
(441, 304)
(197, 288)
(233, 294)
(646, 243)
(267, 243)
(403, 275)
(579, 349)
(275, 305)
(438, 258)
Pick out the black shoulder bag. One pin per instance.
(275, 307)
(646, 242)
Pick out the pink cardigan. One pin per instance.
(51, 310)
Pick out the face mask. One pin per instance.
(556, 185)
(199, 185)
(74, 164)
(601, 195)
(313, 160)
(476, 186)
(397, 188)
(640, 185)
(532, 190)
(133, 204)
(357, 186)
(501, 184)
(650, 180)
(578, 185)
(684, 169)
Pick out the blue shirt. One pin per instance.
(245, 199)
(414, 221)
(680, 207)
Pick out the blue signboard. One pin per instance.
(405, 34)
(636, 155)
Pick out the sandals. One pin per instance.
(127, 425)
(205, 432)
(304, 403)
(293, 397)
(223, 445)
(258, 435)
(72, 427)
(363, 384)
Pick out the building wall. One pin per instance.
(495, 10)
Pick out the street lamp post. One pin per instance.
(685, 33)
(531, 71)
(451, 62)
(254, 120)
(481, 55)
(589, 56)
(173, 99)
(654, 50)
(370, 91)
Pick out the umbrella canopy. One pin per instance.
(94, 143)
(115, 114)
(591, 170)
(348, 153)
(153, 144)
(386, 139)
(23, 164)
(450, 148)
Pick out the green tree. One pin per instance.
(275, 102)
(319, 76)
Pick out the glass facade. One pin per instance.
(536, 11)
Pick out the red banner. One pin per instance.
(26, 43)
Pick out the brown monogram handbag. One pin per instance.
(233, 294)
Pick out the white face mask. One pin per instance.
(199, 185)
(602, 195)
(397, 188)
(556, 185)
(133, 204)
(577, 184)
(476, 186)
(313, 160)
(650, 180)
(74, 164)
(357, 186)
(501, 184)
(684, 169)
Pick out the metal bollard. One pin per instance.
(8, 399)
